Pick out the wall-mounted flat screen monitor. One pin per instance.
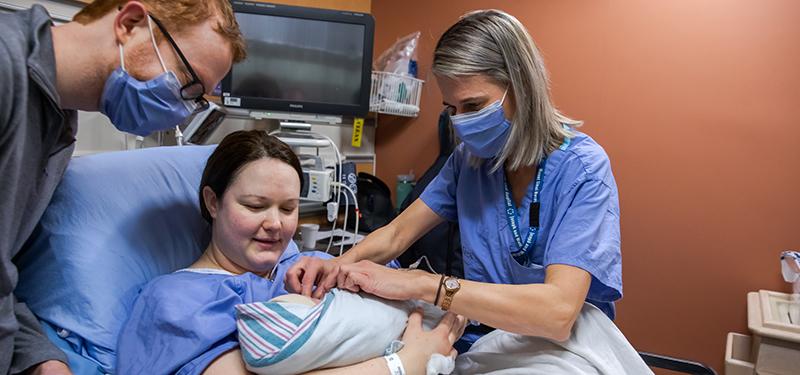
(301, 60)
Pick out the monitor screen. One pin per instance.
(301, 60)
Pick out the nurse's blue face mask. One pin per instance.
(142, 107)
(483, 132)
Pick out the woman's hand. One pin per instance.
(421, 344)
(385, 282)
(310, 271)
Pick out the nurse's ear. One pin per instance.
(510, 103)
(131, 15)
(211, 201)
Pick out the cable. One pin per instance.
(178, 136)
(355, 201)
(416, 264)
(344, 224)
(338, 191)
(333, 228)
(357, 212)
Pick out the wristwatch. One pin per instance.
(451, 286)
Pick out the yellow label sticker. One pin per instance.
(358, 129)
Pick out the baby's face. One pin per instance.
(296, 298)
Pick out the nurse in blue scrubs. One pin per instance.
(535, 199)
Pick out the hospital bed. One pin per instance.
(116, 221)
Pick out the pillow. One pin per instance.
(115, 221)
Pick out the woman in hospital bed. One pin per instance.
(185, 323)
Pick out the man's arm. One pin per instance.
(31, 346)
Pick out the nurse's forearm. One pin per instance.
(531, 310)
(545, 310)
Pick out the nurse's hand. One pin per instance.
(310, 271)
(421, 344)
(383, 281)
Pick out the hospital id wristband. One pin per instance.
(395, 364)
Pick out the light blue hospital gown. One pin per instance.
(579, 219)
(182, 321)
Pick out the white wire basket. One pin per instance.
(395, 94)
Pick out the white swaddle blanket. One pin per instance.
(596, 346)
(343, 329)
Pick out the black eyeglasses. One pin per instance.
(194, 90)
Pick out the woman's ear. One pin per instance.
(210, 199)
(510, 104)
(130, 15)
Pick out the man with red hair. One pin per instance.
(145, 64)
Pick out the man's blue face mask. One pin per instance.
(484, 132)
(142, 107)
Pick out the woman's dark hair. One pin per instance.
(234, 152)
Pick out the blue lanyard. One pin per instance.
(523, 254)
(523, 248)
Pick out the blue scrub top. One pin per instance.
(182, 321)
(579, 219)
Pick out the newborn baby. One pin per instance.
(292, 333)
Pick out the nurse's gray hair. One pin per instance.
(495, 44)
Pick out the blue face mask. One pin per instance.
(142, 107)
(484, 132)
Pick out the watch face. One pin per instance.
(451, 283)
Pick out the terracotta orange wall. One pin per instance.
(697, 103)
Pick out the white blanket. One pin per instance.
(343, 329)
(347, 328)
(596, 346)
